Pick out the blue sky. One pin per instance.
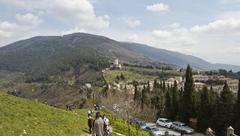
(209, 29)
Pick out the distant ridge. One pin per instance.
(26, 55)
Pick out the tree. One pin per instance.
(204, 115)
(164, 86)
(155, 84)
(137, 94)
(213, 99)
(187, 101)
(174, 101)
(237, 112)
(148, 89)
(122, 77)
(168, 105)
(224, 111)
(155, 102)
(144, 97)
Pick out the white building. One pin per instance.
(116, 64)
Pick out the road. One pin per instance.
(170, 131)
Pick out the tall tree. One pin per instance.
(136, 92)
(237, 112)
(164, 86)
(188, 104)
(204, 115)
(155, 84)
(144, 97)
(168, 105)
(175, 101)
(148, 89)
(213, 99)
(224, 111)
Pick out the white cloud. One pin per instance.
(28, 19)
(81, 13)
(76, 14)
(218, 25)
(74, 30)
(132, 23)
(6, 29)
(172, 39)
(5, 25)
(15, 3)
(230, 1)
(133, 38)
(229, 14)
(173, 25)
(161, 33)
(159, 7)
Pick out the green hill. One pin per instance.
(20, 116)
(26, 117)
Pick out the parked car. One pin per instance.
(135, 121)
(164, 122)
(153, 130)
(141, 125)
(182, 127)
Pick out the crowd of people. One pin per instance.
(98, 126)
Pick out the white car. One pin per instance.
(182, 127)
(164, 122)
(153, 130)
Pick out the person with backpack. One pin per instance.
(106, 125)
(90, 123)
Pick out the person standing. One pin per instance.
(98, 128)
(106, 125)
(90, 124)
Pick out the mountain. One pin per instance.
(176, 58)
(49, 51)
(30, 54)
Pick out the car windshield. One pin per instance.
(155, 129)
(168, 120)
(183, 125)
(142, 123)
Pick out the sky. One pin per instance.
(209, 29)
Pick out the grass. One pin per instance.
(26, 117)
(110, 76)
(20, 117)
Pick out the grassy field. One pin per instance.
(110, 76)
(22, 117)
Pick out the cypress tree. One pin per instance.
(224, 111)
(168, 105)
(144, 97)
(155, 84)
(164, 86)
(237, 112)
(148, 87)
(136, 92)
(174, 101)
(188, 104)
(213, 99)
(180, 105)
(204, 115)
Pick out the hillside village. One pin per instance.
(201, 78)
